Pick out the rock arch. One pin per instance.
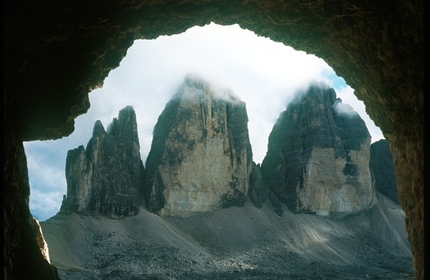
(56, 53)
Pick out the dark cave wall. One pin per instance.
(55, 53)
(22, 256)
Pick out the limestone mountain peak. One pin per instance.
(98, 128)
(318, 157)
(195, 87)
(200, 158)
(106, 177)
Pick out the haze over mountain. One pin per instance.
(207, 212)
(318, 155)
(200, 158)
(265, 74)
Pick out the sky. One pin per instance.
(264, 74)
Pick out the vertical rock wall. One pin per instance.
(56, 53)
(107, 176)
(200, 158)
(318, 155)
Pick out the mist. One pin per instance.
(344, 109)
(264, 74)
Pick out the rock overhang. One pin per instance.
(56, 54)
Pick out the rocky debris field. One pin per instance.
(234, 243)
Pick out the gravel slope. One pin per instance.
(234, 243)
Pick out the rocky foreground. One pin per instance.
(233, 243)
(187, 215)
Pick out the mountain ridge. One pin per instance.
(252, 236)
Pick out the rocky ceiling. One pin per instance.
(56, 52)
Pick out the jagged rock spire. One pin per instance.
(107, 176)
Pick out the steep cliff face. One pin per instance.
(318, 155)
(201, 157)
(107, 176)
(382, 168)
(57, 53)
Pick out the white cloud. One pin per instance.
(344, 109)
(45, 173)
(44, 204)
(348, 97)
(264, 74)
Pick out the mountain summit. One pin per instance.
(200, 164)
(107, 176)
(318, 155)
(201, 157)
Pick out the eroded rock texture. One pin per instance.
(318, 155)
(382, 168)
(54, 54)
(107, 176)
(200, 158)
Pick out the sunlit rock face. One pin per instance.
(201, 157)
(382, 168)
(40, 240)
(318, 155)
(54, 60)
(107, 176)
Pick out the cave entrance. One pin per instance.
(381, 46)
(263, 73)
